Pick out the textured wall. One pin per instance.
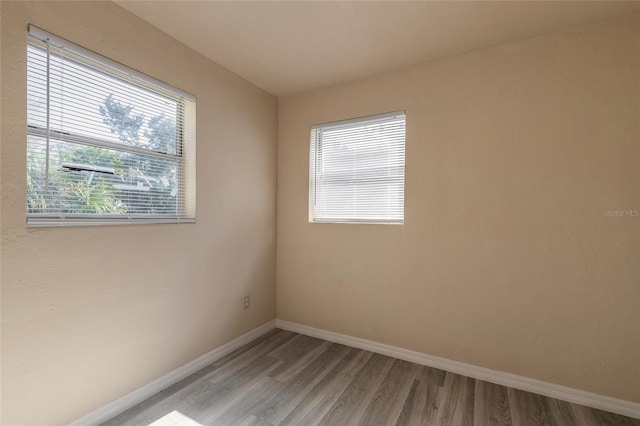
(507, 258)
(89, 314)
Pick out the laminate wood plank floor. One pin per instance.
(284, 378)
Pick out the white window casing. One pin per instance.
(357, 170)
(106, 144)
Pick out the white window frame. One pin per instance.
(315, 180)
(185, 153)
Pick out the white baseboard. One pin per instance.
(601, 402)
(121, 405)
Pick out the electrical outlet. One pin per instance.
(246, 302)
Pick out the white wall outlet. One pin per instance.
(246, 302)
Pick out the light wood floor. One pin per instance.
(285, 378)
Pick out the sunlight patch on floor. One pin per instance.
(175, 418)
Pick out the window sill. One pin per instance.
(50, 221)
(357, 222)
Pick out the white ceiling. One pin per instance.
(290, 46)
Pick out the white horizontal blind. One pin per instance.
(104, 143)
(357, 170)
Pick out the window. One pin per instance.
(105, 143)
(357, 170)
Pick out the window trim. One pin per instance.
(313, 169)
(45, 220)
(349, 121)
(114, 69)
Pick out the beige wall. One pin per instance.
(90, 314)
(506, 259)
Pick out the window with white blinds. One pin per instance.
(357, 170)
(106, 144)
